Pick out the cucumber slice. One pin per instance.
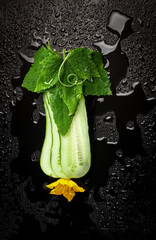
(56, 147)
(50, 160)
(45, 159)
(75, 145)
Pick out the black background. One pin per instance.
(120, 197)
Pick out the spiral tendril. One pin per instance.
(71, 84)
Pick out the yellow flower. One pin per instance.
(65, 187)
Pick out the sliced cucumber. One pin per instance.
(45, 159)
(66, 156)
(75, 145)
(56, 147)
(50, 160)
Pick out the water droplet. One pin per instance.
(106, 48)
(106, 64)
(119, 153)
(120, 24)
(26, 58)
(35, 157)
(124, 81)
(98, 35)
(128, 165)
(112, 142)
(128, 93)
(153, 89)
(108, 118)
(152, 79)
(34, 102)
(16, 77)
(101, 99)
(39, 41)
(57, 14)
(13, 102)
(142, 122)
(100, 138)
(36, 116)
(140, 22)
(18, 92)
(35, 122)
(53, 26)
(7, 94)
(130, 125)
(150, 99)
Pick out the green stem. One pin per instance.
(64, 53)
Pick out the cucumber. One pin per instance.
(66, 156)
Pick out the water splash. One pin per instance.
(119, 24)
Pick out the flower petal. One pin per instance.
(65, 187)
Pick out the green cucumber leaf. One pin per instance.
(60, 111)
(77, 68)
(49, 74)
(97, 85)
(43, 73)
(81, 63)
(41, 54)
(70, 95)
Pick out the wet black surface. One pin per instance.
(120, 200)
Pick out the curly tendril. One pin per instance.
(70, 76)
(71, 83)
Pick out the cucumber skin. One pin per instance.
(74, 157)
